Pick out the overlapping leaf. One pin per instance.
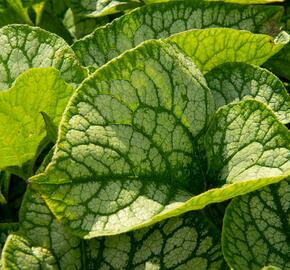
(211, 47)
(21, 125)
(41, 242)
(236, 81)
(96, 8)
(170, 239)
(187, 241)
(165, 19)
(256, 229)
(124, 161)
(246, 141)
(24, 47)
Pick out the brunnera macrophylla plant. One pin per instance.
(134, 141)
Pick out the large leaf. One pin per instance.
(96, 8)
(212, 47)
(165, 19)
(35, 47)
(256, 229)
(236, 81)
(128, 145)
(21, 125)
(186, 242)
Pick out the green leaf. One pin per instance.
(211, 47)
(5, 230)
(38, 7)
(128, 145)
(130, 30)
(41, 241)
(4, 186)
(184, 242)
(56, 7)
(243, 140)
(19, 254)
(3, 5)
(51, 129)
(247, 2)
(28, 50)
(280, 63)
(79, 26)
(22, 11)
(270, 267)
(191, 237)
(52, 23)
(9, 16)
(236, 81)
(22, 127)
(98, 8)
(256, 229)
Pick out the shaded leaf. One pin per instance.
(51, 129)
(79, 26)
(187, 241)
(256, 229)
(22, 11)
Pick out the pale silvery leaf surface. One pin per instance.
(24, 47)
(165, 19)
(127, 161)
(184, 242)
(236, 81)
(256, 229)
(246, 143)
(41, 242)
(96, 8)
